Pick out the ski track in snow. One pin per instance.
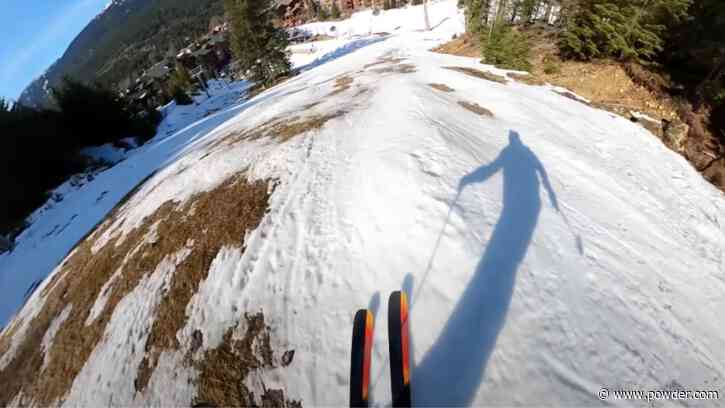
(521, 292)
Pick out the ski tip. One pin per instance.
(399, 348)
(361, 353)
(399, 301)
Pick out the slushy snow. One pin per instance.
(548, 251)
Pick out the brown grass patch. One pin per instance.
(384, 60)
(441, 87)
(283, 132)
(281, 129)
(334, 78)
(527, 79)
(466, 45)
(7, 334)
(606, 84)
(223, 370)
(361, 91)
(609, 87)
(311, 105)
(476, 108)
(243, 205)
(342, 84)
(477, 73)
(84, 273)
(398, 69)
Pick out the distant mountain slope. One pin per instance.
(124, 39)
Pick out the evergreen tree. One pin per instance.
(528, 10)
(182, 77)
(311, 9)
(179, 84)
(259, 46)
(695, 57)
(335, 11)
(477, 12)
(5, 108)
(322, 14)
(86, 109)
(624, 29)
(506, 48)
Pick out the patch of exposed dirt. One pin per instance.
(609, 86)
(391, 64)
(284, 132)
(476, 108)
(441, 87)
(223, 371)
(281, 129)
(311, 105)
(361, 91)
(342, 84)
(84, 274)
(398, 69)
(465, 45)
(477, 73)
(527, 79)
(243, 205)
(602, 82)
(333, 79)
(7, 334)
(384, 60)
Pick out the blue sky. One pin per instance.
(34, 34)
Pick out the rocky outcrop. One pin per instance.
(673, 133)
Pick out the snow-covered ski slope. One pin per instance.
(548, 250)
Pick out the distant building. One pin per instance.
(352, 5)
(296, 12)
(212, 53)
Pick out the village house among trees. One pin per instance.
(211, 56)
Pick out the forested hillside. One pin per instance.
(124, 39)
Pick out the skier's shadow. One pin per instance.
(452, 370)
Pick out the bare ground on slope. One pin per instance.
(220, 217)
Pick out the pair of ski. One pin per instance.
(362, 342)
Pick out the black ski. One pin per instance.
(362, 341)
(399, 349)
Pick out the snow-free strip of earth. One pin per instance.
(548, 249)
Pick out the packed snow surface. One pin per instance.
(548, 250)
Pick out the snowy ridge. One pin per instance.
(549, 248)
